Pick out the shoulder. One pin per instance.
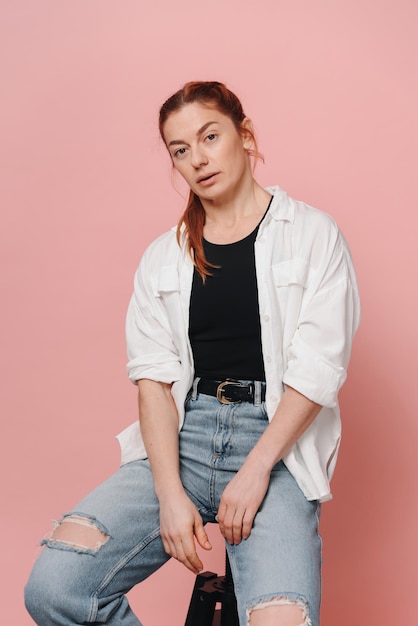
(306, 223)
(285, 208)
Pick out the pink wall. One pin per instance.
(332, 89)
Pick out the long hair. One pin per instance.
(219, 97)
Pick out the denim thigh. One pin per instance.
(280, 562)
(77, 586)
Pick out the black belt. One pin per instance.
(230, 391)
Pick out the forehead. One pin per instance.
(187, 121)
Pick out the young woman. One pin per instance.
(239, 334)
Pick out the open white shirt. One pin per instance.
(309, 312)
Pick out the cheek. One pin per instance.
(182, 170)
(180, 167)
(238, 159)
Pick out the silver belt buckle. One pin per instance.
(220, 391)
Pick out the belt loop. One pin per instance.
(257, 393)
(194, 388)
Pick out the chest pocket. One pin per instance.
(168, 281)
(290, 280)
(167, 290)
(291, 272)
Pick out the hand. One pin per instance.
(180, 523)
(240, 502)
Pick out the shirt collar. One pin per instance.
(282, 207)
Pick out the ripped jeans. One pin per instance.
(279, 563)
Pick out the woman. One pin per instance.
(239, 334)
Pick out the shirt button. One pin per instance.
(267, 318)
(274, 398)
(261, 240)
(268, 359)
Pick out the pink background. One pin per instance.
(332, 89)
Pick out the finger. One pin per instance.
(192, 562)
(191, 566)
(186, 554)
(227, 527)
(247, 524)
(173, 546)
(221, 519)
(236, 528)
(176, 551)
(200, 534)
(168, 548)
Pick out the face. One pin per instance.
(208, 151)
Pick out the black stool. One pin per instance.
(208, 590)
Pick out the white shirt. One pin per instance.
(309, 312)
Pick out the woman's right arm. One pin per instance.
(180, 520)
(154, 363)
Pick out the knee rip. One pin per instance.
(77, 532)
(294, 610)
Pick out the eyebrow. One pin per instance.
(177, 142)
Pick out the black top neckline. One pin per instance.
(251, 234)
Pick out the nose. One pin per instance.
(198, 157)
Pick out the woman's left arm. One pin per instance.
(244, 494)
(316, 364)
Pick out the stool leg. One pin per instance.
(202, 604)
(210, 589)
(229, 611)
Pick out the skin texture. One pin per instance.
(233, 201)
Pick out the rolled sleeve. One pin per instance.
(313, 376)
(150, 347)
(318, 356)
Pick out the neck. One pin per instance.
(249, 199)
(233, 219)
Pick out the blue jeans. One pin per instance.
(279, 562)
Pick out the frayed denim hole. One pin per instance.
(77, 532)
(280, 600)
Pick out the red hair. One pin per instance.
(219, 97)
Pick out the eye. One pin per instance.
(179, 153)
(211, 137)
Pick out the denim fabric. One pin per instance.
(280, 561)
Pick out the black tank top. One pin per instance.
(224, 323)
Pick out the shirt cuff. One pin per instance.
(316, 379)
(167, 372)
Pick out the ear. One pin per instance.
(247, 133)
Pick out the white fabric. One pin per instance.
(309, 311)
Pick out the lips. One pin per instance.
(206, 177)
